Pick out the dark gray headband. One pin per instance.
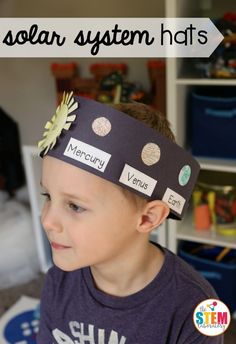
(121, 149)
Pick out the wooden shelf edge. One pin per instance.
(205, 82)
(189, 233)
(213, 164)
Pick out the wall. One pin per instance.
(27, 89)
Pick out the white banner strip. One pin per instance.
(108, 37)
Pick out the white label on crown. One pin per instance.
(87, 154)
(174, 200)
(137, 180)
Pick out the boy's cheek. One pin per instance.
(44, 217)
(43, 213)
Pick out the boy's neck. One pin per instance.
(130, 273)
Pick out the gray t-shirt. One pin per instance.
(73, 311)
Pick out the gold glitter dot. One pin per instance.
(151, 154)
(101, 126)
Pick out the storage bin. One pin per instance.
(221, 275)
(213, 122)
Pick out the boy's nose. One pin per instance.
(51, 221)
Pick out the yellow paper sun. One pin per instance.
(61, 120)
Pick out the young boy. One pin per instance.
(109, 180)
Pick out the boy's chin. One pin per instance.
(66, 266)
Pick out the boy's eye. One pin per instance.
(46, 195)
(76, 208)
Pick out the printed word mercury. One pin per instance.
(87, 157)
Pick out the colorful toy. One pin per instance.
(215, 208)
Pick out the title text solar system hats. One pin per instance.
(113, 145)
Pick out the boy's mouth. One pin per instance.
(57, 246)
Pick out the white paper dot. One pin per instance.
(101, 126)
(151, 154)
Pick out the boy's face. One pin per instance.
(88, 220)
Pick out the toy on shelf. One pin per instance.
(101, 70)
(115, 89)
(222, 63)
(215, 207)
(109, 83)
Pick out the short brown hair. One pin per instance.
(152, 118)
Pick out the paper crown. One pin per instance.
(113, 145)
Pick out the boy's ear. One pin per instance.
(153, 214)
